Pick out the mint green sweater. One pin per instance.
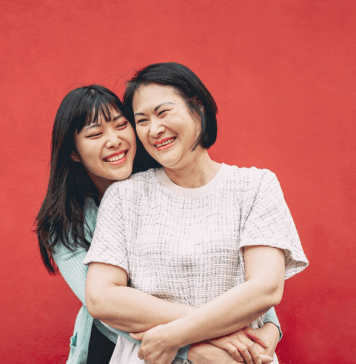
(74, 272)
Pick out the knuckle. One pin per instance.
(233, 350)
(243, 348)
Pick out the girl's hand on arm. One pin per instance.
(243, 346)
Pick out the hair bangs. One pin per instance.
(97, 107)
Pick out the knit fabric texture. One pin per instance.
(186, 245)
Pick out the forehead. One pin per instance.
(150, 96)
(104, 113)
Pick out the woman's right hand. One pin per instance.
(205, 353)
(241, 345)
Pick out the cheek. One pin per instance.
(141, 135)
(88, 152)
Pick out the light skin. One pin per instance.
(107, 150)
(168, 130)
(162, 116)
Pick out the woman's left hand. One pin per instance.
(242, 345)
(155, 347)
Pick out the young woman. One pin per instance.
(92, 145)
(195, 232)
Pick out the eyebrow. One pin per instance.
(156, 108)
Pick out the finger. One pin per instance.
(243, 350)
(140, 355)
(266, 359)
(252, 350)
(255, 336)
(137, 335)
(234, 352)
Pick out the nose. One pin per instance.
(156, 128)
(113, 139)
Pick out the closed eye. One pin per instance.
(139, 121)
(122, 125)
(162, 112)
(93, 136)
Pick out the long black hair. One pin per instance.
(188, 85)
(61, 217)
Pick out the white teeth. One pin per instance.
(116, 157)
(167, 142)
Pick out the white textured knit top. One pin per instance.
(185, 245)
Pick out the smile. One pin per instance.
(116, 158)
(165, 143)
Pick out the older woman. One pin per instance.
(215, 237)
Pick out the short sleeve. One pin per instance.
(109, 244)
(268, 222)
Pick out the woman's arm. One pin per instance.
(263, 288)
(109, 299)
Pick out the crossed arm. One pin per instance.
(74, 272)
(171, 325)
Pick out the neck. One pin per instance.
(100, 183)
(195, 174)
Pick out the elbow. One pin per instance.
(94, 304)
(268, 293)
(274, 294)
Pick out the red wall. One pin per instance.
(283, 75)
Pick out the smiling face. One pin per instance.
(106, 149)
(166, 126)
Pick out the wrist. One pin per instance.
(175, 334)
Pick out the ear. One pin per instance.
(198, 103)
(75, 157)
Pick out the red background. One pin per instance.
(283, 75)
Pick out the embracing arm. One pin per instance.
(109, 299)
(72, 270)
(263, 288)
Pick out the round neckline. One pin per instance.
(190, 192)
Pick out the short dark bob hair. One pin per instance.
(188, 85)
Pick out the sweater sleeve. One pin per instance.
(267, 221)
(271, 316)
(74, 273)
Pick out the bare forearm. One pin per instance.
(256, 295)
(128, 309)
(252, 298)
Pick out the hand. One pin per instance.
(155, 347)
(205, 353)
(241, 345)
(271, 333)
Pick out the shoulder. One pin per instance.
(250, 178)
(132, 187)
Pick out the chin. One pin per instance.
(124, 173)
